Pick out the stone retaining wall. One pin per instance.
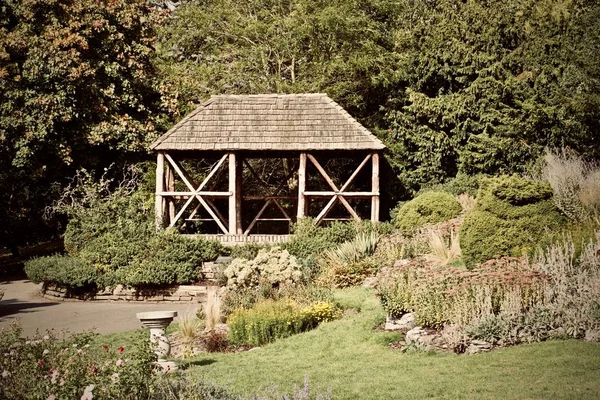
(170, 294)
(166, 294)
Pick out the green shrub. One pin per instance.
(269, 320)
(363, 245)
(439, 296)
(248, 250)
(396, 294)
(347, 274)
(64, 271)
(461, 183)
(309, 240)
(168, 258)
(275, 266)
(428, 208)
(510, 218)
(178, 387)
(112, 240)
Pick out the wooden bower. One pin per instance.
(169, 168)
(238, 128)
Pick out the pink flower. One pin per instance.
(120, 362)
(53, 375)
(51, 397)
(87, 392)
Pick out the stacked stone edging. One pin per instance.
(164, 294)
(167, 294)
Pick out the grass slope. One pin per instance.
(352, 360)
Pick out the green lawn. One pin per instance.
(352, 360)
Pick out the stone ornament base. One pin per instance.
(157, 322)
(168, 294)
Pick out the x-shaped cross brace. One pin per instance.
(195, 192)
(339, 193)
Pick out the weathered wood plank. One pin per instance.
(325, 210)
(302, 204)
(234, 194)
(375, 188)
(201, 193)
(170, 175)
(238, 195)
(158, 199)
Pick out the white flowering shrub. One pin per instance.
(275, 266)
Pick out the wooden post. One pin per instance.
(234, 195)
(170, 202)
(302, 204)
(375, 188)
(158, 199)
(238, 195)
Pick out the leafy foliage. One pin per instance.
(509, 218)
(168, 258)
(302, 294)
(489, 84)
(308, 239)
(341, 48)
(63, 270)
(349, 263)
(441, 296)
(76, 82)
(111, 239)
(427, 208)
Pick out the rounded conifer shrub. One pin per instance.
(512, 216)
(428, 208)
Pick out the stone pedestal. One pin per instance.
(158, 321)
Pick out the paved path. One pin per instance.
(22, 301)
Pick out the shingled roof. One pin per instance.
(268, 122)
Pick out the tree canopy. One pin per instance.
(451, 86)
(491, 83)
(76, 81)
(342, 47)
